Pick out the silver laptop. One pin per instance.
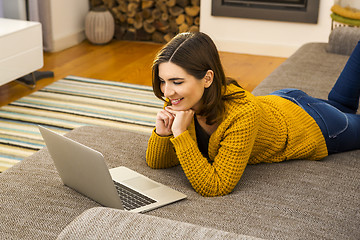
(84, 170)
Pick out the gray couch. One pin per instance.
(291, 200)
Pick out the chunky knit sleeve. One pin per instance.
(160, 152)
(233, 148)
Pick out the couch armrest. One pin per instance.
(108, 223)
(342, 40)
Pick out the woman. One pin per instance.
(213, 128)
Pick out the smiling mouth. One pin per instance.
(176, 101)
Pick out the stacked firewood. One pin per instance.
(152, 20)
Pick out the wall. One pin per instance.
(68, 17)
(264, 37)
(63, 23)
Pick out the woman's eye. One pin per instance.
(177, 83)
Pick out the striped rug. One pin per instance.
(70, 103)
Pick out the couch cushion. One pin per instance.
(289, 200)
(107, 223)
(342, 40)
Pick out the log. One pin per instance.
(189, 20)
(194, 28)
(130, 21)
(192, 11)
(171, 3)
(156, 13)
(183, 28)
(114, 10)
(145, 4)
(146, 13)
(150, 20)
(180, 19)
(182, 3)
(197, 21)
(161, 5)
(121, 17)
(176, 11)
(165, 16)
(109, 3)
(195, 2)
(149, 27)
(132, 9)
(138, 21)
(161, 26)
(123, 7)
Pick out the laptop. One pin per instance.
(84, 170)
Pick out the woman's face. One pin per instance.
(182, 89)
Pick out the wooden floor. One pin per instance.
(131, 62)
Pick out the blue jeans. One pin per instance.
(336, 116)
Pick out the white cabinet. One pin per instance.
(21, 50)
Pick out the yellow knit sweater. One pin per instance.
(255, 129)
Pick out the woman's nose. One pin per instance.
(167, 90)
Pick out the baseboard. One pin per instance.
(263, 49)
(66, 42)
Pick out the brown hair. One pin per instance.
(196, 53)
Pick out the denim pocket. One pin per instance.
(334, 120)
(291, 94)
(281, 92)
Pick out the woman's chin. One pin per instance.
(179, 108)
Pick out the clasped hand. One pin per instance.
(169, 121)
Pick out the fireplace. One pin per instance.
(305, 11)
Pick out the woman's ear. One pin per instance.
(209, 77)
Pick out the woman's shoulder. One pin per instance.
(233, 89)
(235, 94)
(243, 103)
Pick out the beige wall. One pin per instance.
(264, 37)
(63, 23)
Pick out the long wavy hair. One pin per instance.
(196, 53)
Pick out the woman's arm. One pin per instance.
(232, 155)
(160, 152)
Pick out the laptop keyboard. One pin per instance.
(130, 198)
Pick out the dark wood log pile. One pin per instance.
(152, 20)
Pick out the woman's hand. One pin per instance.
(181, 120)
(164, 121)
